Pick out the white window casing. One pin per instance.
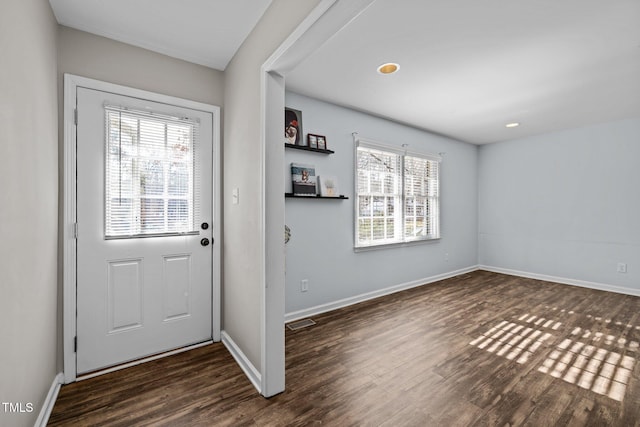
(397, 195)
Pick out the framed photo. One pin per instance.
(328, 186)
(293, 127)
(303, 179)
(312, 140)
(322, 142)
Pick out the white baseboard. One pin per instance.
(323, 308)
(50, 401)
(245, 364)
(563, 280)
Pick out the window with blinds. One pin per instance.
(150, 174)
(397, 196)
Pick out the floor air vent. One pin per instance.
(294, 326)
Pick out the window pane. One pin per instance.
(378, 206)
(409, 206)
(179, 142)
(152, 139)
(409, 227)
(178, 215)
(378, 229)
(376, 182)
(178, 179)
(152, 215)
(390, 184)
(364, 206)
(150, 174)
(390, 206)
(390, 228)
(151, 177)
(121, 215)
(363, 181)
(364, 230)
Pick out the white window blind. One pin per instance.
(421, 191)
(397, 196)
(379, 197)
(151, 174)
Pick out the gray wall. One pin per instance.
(28, 206)
(88, 55)
(564, 204)
(321, 247)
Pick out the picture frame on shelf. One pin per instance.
(322, 142)
(293, 134)
(312, 140)
(328, 186)
(303, 178)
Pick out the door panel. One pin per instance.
(177, 286)
(124, 283)
(140, 295)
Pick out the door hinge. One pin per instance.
(75, 230)
(75, 116)
(75, 344)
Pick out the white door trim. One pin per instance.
(71, 83)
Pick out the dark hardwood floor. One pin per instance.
(482, 349)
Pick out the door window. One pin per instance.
(151, 174)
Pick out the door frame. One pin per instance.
(69, 242)
(325, 20)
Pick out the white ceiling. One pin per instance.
(206, 32)
(468, 67)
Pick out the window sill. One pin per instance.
(395, 245)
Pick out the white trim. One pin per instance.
(325, 20)
(322, 23)
(563, 280)
(71, 84)
(408, 243)
(272, 340)
(68, 227)
(323, 308)
(143, 360)
(389, 147)
(49, 401)
(245, 364)
(216, 240)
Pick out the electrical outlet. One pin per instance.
(622, 267)
(304, 285)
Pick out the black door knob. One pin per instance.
(204, 242)
(204, 226)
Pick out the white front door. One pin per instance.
(144, 233)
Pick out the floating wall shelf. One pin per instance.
(291, 195)
(306, 148)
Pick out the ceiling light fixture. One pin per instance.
(512, 125)
(388, 68)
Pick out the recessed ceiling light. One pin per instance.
(388, 68)
(512, 125)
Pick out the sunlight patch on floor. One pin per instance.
(513, 341)
(597, 369)
(592, 360)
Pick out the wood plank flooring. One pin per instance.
(482, 349)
